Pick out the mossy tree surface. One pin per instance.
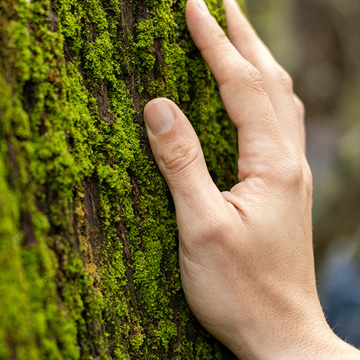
(88, 238)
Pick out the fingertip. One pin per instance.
(233, 10)
(226, 4)
(195, 8)
(159, 115)
(189, 7)
(230, 3)
(155, 101)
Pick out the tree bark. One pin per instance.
(88, 239)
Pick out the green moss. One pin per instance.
(71, 127)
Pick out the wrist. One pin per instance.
(317, 345)
(306, 336)
(326, 346)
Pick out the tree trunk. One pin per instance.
(88, 239)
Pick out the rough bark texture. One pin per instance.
(88, 239)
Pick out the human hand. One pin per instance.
(246, 255)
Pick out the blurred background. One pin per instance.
(318, 42)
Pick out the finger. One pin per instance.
(277, 81)
(178, 153)
(241, 86)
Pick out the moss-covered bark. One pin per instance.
(88, 240)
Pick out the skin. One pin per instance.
(246, 255)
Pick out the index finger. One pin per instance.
(241, 86)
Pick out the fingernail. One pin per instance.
(160, 119)
(202, 6)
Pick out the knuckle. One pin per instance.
(283, 78)
(298, 175)
(251, 71)
(295, 174)
(300, 106)
(248, 75)
(212, 230)
(219, 38)
(308, 178)
(254, 76)
(218, 229)
(259, 169)
(289, 170)
(179, 156)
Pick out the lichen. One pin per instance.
(88, 239)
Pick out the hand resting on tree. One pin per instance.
(246, 255)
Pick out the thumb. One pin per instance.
(179, 156)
